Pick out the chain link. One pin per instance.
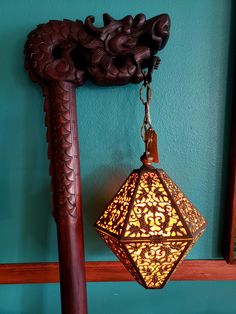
(147, 123)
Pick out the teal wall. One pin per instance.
(189, 112)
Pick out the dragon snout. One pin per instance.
(158, 29)
(163, 25)
(162, 29)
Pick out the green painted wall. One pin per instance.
(189, 111)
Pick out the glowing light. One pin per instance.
(150, 225)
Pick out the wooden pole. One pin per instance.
(60, 107)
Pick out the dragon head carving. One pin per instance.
(114, 54)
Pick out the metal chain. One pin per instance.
(147, 123)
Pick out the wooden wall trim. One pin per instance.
(113, 271)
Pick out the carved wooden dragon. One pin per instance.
(61, 55)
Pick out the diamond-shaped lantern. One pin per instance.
(150, 225)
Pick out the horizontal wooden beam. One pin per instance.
(113, 271)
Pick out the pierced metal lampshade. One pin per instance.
(150, 225)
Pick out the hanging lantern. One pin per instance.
(150, 224)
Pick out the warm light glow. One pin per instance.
(113, 218)
(150, 225)
(153, 213)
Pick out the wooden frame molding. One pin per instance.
(30, 273)
(61, 55)
(231, 203)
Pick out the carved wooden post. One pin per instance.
(60, 56)
(63, 141)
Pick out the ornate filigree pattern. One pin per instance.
(118, 248)
(188, 249)
(113, 218)
(155, 261)
(192, 217)
(148, 229)
(153, 213)
(195, 239)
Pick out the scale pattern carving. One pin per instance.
(192, 216)
(113, 218)
(155, 261)
(114, 54)
(153, 213)
(63, 150)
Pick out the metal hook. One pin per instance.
(153, 65)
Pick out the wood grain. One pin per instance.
(113, 271)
